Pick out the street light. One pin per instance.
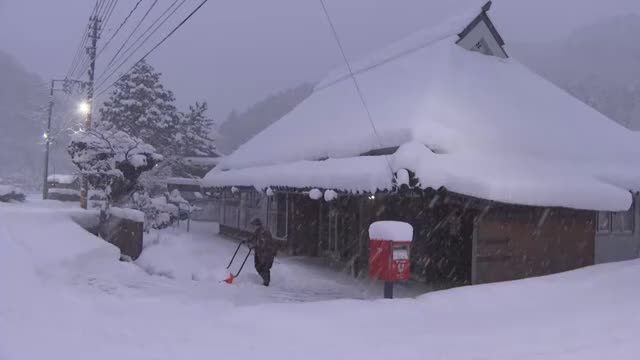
(84, 108)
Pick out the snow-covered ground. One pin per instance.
(65, 295)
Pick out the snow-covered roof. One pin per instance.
(183, 181)
(202, 161)
(62, 178)
(475, 124)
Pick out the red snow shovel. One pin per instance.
(232, 276)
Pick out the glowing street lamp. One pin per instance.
(84, 108)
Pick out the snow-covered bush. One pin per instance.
(184, 207)
(158, 212)
(10, 193)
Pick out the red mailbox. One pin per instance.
(389, 246)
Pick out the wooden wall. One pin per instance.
(515, 242)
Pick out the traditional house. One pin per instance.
(494, 167)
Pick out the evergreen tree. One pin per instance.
(141, 107)
(195, 136)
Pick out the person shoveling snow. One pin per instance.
(264, 248)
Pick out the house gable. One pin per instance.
(481, 36)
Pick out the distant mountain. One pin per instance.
(598, 64)
(23, 101)
(238, 128)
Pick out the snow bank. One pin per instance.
(536, 318)
(391, 230)
(129, 214)
(51, 238)
(115, 312)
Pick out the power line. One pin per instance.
(79, 55)
(122, 63)
(109, 12)
(101, 8)
(120, 27)
(113, 58)
(158, 44)
(355, 81)
(99, 11)
(114, 34)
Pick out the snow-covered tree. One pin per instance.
(112, 159)
(195, 136)
(141, 107)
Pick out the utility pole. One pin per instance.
(45, 185)
(92, 50)
(67, 85)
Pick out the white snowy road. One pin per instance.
(64, 295)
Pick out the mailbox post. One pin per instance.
(389, 250)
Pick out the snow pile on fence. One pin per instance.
(128, 214)
(491, 127)
(62, 178)
(63, 191)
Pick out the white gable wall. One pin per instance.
(481, 39)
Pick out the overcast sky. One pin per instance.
(232, 53)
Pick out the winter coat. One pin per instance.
(263, 243)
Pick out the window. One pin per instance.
(231, 206)
(622, 222)
(255, 207)
(617, 222)
(277, 219)
(604, 221)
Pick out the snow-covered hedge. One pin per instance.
(161, 211)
